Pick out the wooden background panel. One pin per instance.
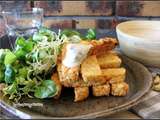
(69, 8)
(138, 8)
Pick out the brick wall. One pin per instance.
(87, 14)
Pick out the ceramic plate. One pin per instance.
(138, 78)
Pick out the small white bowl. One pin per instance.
(140, 40)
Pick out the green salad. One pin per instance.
(26, 70)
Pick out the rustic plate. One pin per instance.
(138, 78)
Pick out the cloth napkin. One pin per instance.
(149, 107)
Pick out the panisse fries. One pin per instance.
(101, 70)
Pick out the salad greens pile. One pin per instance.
(26, 70)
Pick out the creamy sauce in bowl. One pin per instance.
(150, 35)
(140, 40)
(146, 30)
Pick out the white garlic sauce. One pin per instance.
(75, 54)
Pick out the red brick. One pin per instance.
(85, 23)
(151, 8)
(11, 5)
(98, 23)
(50, 7)
(138, 8)
(2, 27)
(123, 19)
(68, 8)
(59, 23)
(106, 23)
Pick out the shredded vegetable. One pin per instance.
(25, 69)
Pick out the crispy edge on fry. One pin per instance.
(102, 45)
(71, 74)
(67, 82)
(119, 89)
(101, 90)
(79, 83)
(55, 78)
(109, 60)
(117, 79)
(81, 93)
(91, 72)
(68, 76)
(115, 75)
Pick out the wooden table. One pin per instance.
(119, 115)
(124, 115)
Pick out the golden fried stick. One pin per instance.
(81, 93)
(115, 75)
(91, 72)
(109, 60)
(72, 56)
(101, 90)
(69, 76)
(77, 83)
(102, 45)
(119, 89)
(97, 47)
(55, 78)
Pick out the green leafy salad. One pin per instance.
(26, 70)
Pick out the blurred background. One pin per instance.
(86, 14)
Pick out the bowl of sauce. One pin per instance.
(140, 40)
